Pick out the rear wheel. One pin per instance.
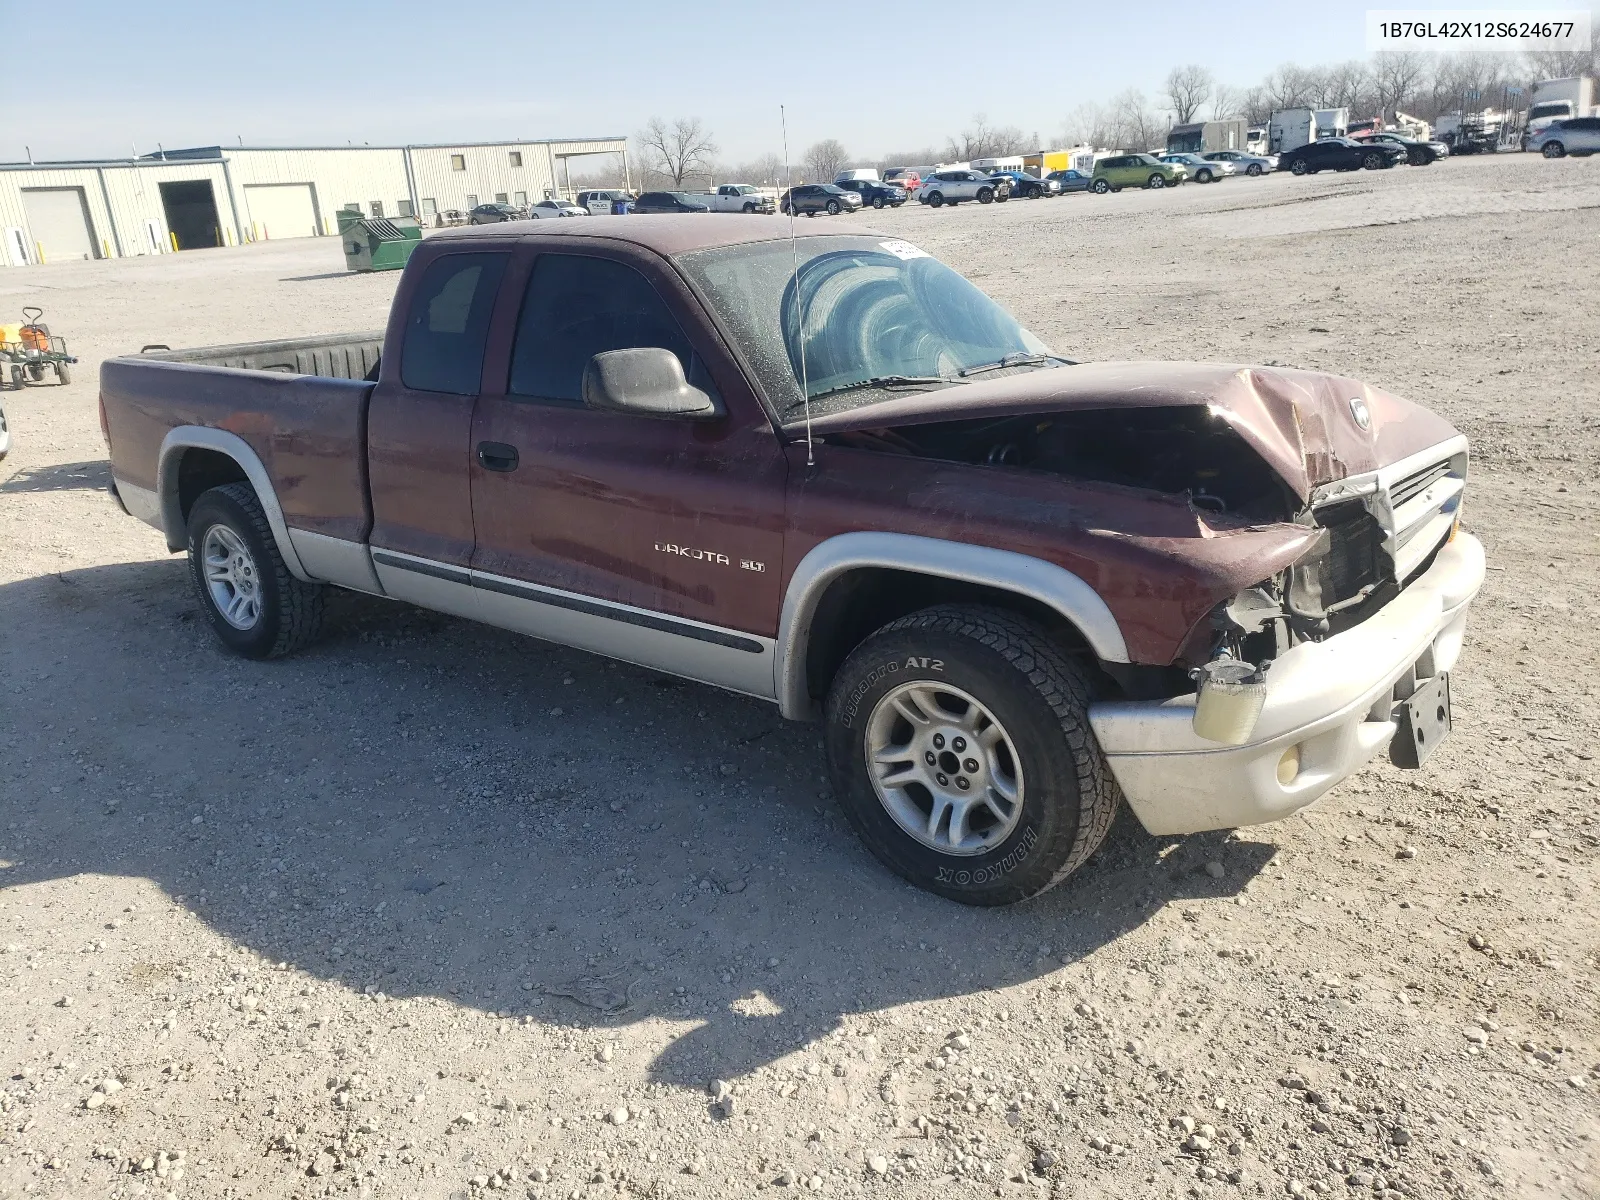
(959, 746)
(5, 433)
(1554, 150)
(255, 605)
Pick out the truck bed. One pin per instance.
(331, 356)
(300, 405)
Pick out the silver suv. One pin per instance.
(1576, 136)
(957, 184)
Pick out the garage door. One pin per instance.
(58, 220)
(281, 210)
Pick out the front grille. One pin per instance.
(1415, 484)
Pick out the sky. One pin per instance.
(879, 75)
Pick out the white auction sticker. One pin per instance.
(1452, 29)
(902, 249)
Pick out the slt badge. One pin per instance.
(1359, 410)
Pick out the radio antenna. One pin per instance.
(799, 301)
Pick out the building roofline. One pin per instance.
(203, 154)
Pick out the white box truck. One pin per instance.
(1290, 128)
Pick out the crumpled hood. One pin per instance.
(1301, 422)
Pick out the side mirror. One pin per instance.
(647, 382)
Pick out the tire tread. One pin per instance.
(301, 606)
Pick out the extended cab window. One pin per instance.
(449, 323)
(577, 307)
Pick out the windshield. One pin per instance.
(874, 310)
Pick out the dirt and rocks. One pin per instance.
(432, 910)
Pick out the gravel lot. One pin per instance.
(432, 910)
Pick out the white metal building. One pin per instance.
(225, 196)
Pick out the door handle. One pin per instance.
(497, 456)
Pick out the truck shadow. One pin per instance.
(64, 477)
(422, 806)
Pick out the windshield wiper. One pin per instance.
(1021, 358)
(880, 381)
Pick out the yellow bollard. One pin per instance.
(106, 246)
(39, 246)
(174, 238)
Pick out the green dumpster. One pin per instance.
(377, 243)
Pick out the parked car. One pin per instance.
(603, 201)
(1577, 136)
(990, 592)
(875, 192)
(1029, 187)
(669, 202)
(953, 186)
(812, 198)
(736, 197)
(1135, 170)
(1418, 153)
(545, 209)
(1340, 154)
(906, 177)
(1070, 180)
(493, 214)
(1244, 163)
(1201, 169)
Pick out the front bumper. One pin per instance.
(1334, 699)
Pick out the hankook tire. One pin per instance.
(959, 746)
(255, 605)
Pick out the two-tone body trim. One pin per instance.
(186, 437)
(726, 658)
(1005, 570)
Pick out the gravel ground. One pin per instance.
(431, 910)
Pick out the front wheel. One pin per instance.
(1156, 181)
(1253, 169)
(1035, 192)
(63, 372)
(255, 605)
(5, 433)
(877, 202)
(1554, 150)
(1373, 162)
(1299, 167)
(1100, 187)
(1203, 177)
(959, 746)
(985, 195)
(833, 208)
(749, 208)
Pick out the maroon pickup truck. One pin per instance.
(835, 475)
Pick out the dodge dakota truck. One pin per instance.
(827, 471)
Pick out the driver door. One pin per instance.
(655, 540)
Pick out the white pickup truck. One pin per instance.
(737, 197)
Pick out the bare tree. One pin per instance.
(1255, 104)
(982, 140)
(765, 171)
(824, 160)
(678, 150)
(1227, 103)
(1395, 76)
(1138, 125)
(1186, 90)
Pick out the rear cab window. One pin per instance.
(448, 323)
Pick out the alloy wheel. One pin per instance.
(231, 577)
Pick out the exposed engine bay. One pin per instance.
(1175, 451)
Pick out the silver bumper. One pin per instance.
(1332, 699)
